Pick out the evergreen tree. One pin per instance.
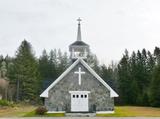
(140, 77)
(44, 65)
(155, 88)
(93, 62)
(1, 58)
(109, 75)
(133, 76)
(63, 61)
(125, 84)
(150, 63)
(145, 78)
(155, 84)
(157, 55)
(3, 69)
(53, 64)
(26, 73)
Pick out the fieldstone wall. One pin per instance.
(60, 99)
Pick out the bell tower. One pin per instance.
(79, 49)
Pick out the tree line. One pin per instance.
(136, 77)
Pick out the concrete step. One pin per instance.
(80, 114)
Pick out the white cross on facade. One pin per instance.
(79, 72)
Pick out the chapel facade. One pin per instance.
(79, 88)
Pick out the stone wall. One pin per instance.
(60, 99)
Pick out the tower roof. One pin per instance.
(79, 30)
(79, 43)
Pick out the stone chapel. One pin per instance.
(79, 88)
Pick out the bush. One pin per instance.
(41, 110)
(4, 103)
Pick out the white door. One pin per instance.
(79, 101)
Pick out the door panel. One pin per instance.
(79, 102)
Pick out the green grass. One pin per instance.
(30, 114)
(55, 114)
(120, 111)
(16, 111)
(33, 114)
(133, 111)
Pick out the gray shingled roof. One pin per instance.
(79, 43)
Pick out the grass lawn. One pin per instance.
(32, 114)
(120, 111)
(134, 111)
(17, 111)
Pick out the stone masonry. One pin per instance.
(60, 99)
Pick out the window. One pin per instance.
(77, 96)
(85, 96)
(73, 96)
(81, 96)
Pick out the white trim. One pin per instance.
(45, 93)
(105, 112)
(79, 92)
(112, 92)
(76, 57)
(56, 112)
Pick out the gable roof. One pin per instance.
(112, 92)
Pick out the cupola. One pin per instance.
(79, 49)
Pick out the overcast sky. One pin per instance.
(108, 26)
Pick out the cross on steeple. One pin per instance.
(79, 72)
(79, 20)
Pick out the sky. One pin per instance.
(108, 26)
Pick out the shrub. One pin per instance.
(4, 103)
(41, 110)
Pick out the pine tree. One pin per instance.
(3, 69)
(44, 65)
(26, 73)
(93, 62)
(53, 64)
(155, 88)
(63, 61)
(155, 83)
(146, 77)
(157, 55)
(125, 84)
(133, 76)
(109, 75)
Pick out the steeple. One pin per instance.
(79, 29)
(79, 49)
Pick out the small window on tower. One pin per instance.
(73, 96)
(81, 96)
(85, 96)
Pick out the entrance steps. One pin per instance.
(80, 114)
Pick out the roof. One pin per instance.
(112, 92)
(79, 43)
